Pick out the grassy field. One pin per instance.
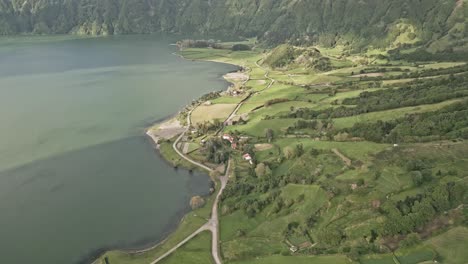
(451, 245)
(191, 222)
(278, 259)
(196, 251)
(264, 232)
(257, 129)
(168, 153)
(354, 150)
(211, 112)
(317, 184)
(388, 114)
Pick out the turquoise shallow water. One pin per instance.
(76, 173)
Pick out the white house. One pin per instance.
(247, 157)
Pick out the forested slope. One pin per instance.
(380, 22)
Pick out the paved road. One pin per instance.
(272, 81)
(174, 146)
(212, 225)
(267, 75)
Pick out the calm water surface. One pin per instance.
(76, 172)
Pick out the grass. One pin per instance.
(442, 65)
(227, 100)
(196, 251)
(211, 112)
(261, 238)
(277, 91)
(386, 115)
(257, 129)
(168, 153)
(451, 245)
(415, 255)
(354, 150)
(278, 259)
(264, 231)
(350, 94)
(418, 254)
(191, 222)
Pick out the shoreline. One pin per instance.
(94, 256)
(155, 139)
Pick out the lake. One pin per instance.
(77, 173)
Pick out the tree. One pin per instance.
(330, 236)
(410, 240)
(299, 150)
(240, 47)
(354, 254)
(440, 197)
(417, 178)
(269, 134)
(262, 170)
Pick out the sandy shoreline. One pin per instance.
(166, 129)
(171, 127)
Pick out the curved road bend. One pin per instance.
(212, 225)
(272, 81)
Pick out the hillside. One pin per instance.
(440, 23)
(362, 161)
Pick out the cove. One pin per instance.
(77, 173)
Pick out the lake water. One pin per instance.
(77, 173)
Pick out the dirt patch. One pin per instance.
(166, 130)
(261, 147)
(345, 159)
(236, 77)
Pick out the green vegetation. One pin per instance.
(172, 157)
(187, 226)
(195, 251)
(218, 111)
(327, 180)
(358, 145)
(451, 245)
(381, 23)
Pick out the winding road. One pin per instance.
(174, 146)
(213, 223)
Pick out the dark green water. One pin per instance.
(76, 173)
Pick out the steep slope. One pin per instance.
(380, 22)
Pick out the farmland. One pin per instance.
(336, 175)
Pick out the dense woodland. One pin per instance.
(302, 22)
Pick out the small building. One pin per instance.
(231, 140)
(395, 145)
(228, 138)
(293, 249)
(247, 157)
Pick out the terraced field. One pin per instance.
(335, 158)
